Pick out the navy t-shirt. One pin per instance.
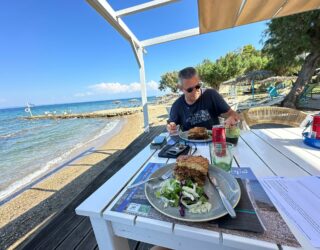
(203, 113)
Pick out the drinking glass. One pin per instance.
(233, 134)
(222, 155)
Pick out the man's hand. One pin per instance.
(232, 119)
(172, 128)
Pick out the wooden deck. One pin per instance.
(67, 230)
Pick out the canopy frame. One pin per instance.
(282, 8)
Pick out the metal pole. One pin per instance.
(252, 86)
(143, 90)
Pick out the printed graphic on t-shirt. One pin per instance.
(199, 117)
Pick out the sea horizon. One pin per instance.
(63, 103)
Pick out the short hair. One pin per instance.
(187, 73)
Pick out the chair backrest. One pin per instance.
(273, 92)
(273, 115)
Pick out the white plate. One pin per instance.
(184, 136)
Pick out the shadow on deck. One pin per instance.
(66, 230)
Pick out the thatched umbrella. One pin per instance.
(230, 82)
(279, 79)
(253, 76)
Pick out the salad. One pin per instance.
(185, 195)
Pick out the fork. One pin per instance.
(163, 177)
(195, 149)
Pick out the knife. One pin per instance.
(224, 199)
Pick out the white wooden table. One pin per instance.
(267, 152)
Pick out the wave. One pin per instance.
(4, 136)
(22, 131)
(54, 162)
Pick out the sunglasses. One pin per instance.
(189, 90)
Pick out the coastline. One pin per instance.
(27, 211)
(78, 153)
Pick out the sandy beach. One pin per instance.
(25, 213)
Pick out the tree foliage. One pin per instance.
(253, 59)
(169, 80)
(289, 38)
(293, 42)
(231, 65)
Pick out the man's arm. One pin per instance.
(173, 119)
(223, 109)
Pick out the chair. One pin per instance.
(272, 91)
(273, 115)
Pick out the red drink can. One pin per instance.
(218, 133)
(316, 126)
(219, 137)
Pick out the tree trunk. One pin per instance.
(305, 74)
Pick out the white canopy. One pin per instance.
(213, 15)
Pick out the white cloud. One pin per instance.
(115, 88)
(153, 85)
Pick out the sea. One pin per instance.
(29, 149)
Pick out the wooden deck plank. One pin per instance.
(144, 246)
(133, 244)
(88, 242)
(60, 232)
(66, 225)
(72, 240)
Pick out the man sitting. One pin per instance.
(198, 107)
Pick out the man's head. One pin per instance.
(190, 83)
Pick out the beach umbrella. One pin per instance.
(213, 15)
(255, 75)
(230, 82)
(252, 76)
(278, 79)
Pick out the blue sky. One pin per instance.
(64, 51)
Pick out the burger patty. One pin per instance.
(183, 173)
